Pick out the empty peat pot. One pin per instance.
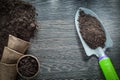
(17, 44)
(10, 56)
(7, 71)
(28, 66)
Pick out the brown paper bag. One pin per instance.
(7, 71)
(17, 44)
(10, 56)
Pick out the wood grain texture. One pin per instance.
(57, 45)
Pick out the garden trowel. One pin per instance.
(104, 61)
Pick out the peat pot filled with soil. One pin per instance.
(28, 66)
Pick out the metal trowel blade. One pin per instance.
(89, 51)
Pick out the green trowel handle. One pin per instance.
(107, 68)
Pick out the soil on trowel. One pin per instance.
(16, 18)
(28, 66)
(91, 30)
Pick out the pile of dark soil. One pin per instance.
(28, 66)
(91, 30)
(16, 18)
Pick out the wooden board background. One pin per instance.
(56, 43)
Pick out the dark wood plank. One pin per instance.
(57, 45)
